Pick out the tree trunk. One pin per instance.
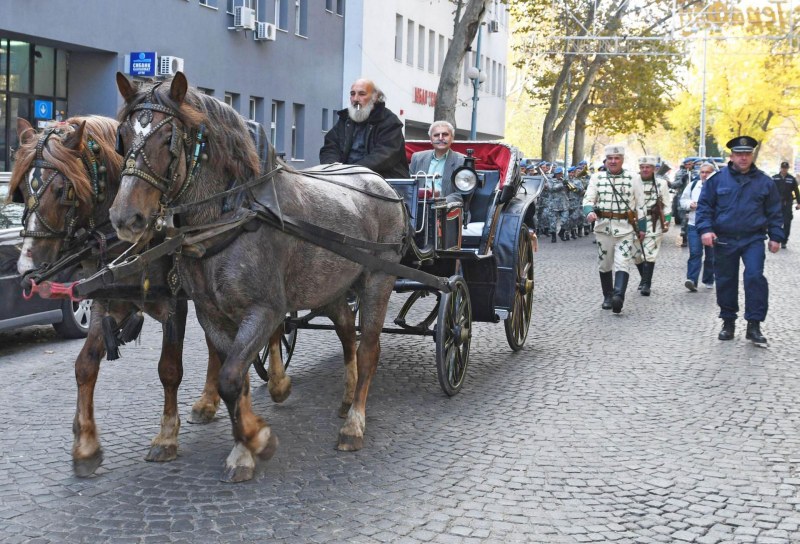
(579, 139)
(464, 32)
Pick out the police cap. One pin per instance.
(742, 144)
(784, 164)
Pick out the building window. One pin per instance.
(442, 53)
(398, 37)
(339, 7)
(209, 3)
(282, 14)
(298, 117)
(421, 48)
(334, 117)
(209, 92)
(276, 125)
(410, 43)
(256, 109)
(431, 51)
(231, 4)
(261, 10)
(329, 5)
(324, 119)
(301, 17)
(494, 77)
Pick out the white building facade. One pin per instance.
(402, 44)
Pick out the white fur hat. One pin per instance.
(652, 160)
(614, 150)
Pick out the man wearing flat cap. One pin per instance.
(787, 186)
(615, 199)
(656, 196)
(739, 208)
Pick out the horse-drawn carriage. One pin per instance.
(250, 242)
(483, 243)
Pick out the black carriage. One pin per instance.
(483, 244)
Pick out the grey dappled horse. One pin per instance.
(243, 290)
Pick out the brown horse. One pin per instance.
(68, 176)
(243, 292)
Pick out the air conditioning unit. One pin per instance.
(265, 31)
(494, 26)
(244, 18)
(169, 66)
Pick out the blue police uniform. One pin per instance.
(741, 209)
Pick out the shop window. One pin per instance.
(19, 67)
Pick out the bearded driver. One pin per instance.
(368, 134)
(615, 199)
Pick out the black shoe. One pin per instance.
(690, 285)
(607, 283)
(620, 286)
(586, 230)
(640, 267)
(754, 332)
(783, 245)
(561, 234)
(728, 329)
(572, 233)
(683, 240)
(553, 238)
(647, 277)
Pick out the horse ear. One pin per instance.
(25, 131)
(74, 140)
(177, 91)
(126, 88)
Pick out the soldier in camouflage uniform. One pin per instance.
(543, 212)
(615, 199)
(575, 197)
(656, 205)
(582, 174)
(558, 205)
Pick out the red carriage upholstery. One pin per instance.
(488, 155)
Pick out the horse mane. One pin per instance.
(103, 130)
(230, 148)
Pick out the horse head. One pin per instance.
(165, 135)
(61, 175)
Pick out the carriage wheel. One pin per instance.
(288, 340)
(518, 321)
(453, 336)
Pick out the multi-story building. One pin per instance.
(278, 62)
(401, 45)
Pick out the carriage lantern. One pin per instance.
(465, 178)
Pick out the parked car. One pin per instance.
(69, 319)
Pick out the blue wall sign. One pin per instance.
(42, 109)
(143, 63)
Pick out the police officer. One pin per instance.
(786, 184)
(558, 205)
(738, 208)
(656, 192)
(615, 199)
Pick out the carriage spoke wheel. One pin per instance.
(453, 336)
(288, 340)
(518, 321)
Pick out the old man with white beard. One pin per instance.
(368, 134)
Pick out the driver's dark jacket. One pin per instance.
(386, 147)
(740, 206)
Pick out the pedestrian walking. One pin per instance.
(656, 192)
(738, 208)
(696, 261)
(615, 199)
(787, 187)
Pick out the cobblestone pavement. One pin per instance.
(641, 427)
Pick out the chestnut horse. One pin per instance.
(67, 176)
(242, 292)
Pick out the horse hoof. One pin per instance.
(237, 474)
(201, 416)
(270, 449)
(159, 453)
(350, 443)
(83, 468)
(343, 409)
(280, 392)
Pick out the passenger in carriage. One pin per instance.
(440, 160)
(367, 134)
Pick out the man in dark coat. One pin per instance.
(739, 207)
(787, 187)
(368, 134)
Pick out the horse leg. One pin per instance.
(374, 303)
(164, 446)
(87, 454)
(251, 433)
(205, 408)
(279, 384)
(344, 323)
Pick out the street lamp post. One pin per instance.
(477, 76)
(701, 151)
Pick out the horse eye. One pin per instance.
(58, 192)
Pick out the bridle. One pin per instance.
(181, 141)
(37, 185)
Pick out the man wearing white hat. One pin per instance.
(656, 196)
(615, 199)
